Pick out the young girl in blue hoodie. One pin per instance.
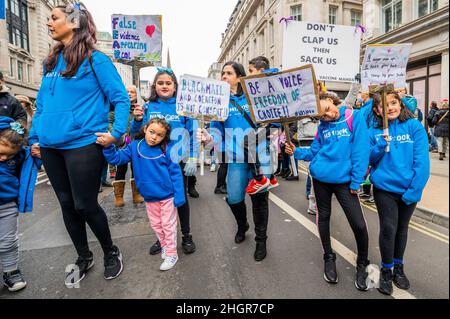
(159, 180)
(162, 104)
(339, 158)
(399, 177)
(18, 171)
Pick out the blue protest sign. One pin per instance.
(2, 9)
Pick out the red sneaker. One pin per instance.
(273, 183)
(255, 187)
(112, 175)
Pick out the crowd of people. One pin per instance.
(86, 118)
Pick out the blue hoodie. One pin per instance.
(180, 127)
(371, 121)
(157, 177)
(339, 154)
(69, 111)
(234, 129)
(406, 168)
(410, 102)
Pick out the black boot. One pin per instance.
(330, 273)
(192, 181)
(188, 244)
(260, 251)
(361, 276)
(400, 279)
(220, 190)
(385, 281)
(155, 249)
(441, 156)
(239, 211)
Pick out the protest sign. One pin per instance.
(137, 38)
(2, 10)
(332, 49)
(125, 72)
(385, 63)
(202, 98)
(282, 97)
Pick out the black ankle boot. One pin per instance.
(239, 211)
(385, 284)
(155, 249)
(330, 273)
(260, 251)
(361, 276)
(188, 244)
(400, 279)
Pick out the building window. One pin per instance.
(29, 75)
(11, 67)
(15, 7)
(17, 23)
(332, 15)
(355, 18)
(425, 7)
(391, 14)
(19, 71)
(296, 12)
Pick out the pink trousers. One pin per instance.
(163, 220)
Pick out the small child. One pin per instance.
(18, 170)
(159, 181)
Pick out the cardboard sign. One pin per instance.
(282, 97)
(332, 49)
(203, 99)
(137, 38)
(385, 63)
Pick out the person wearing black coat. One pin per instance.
(440, 123)
(10, 106)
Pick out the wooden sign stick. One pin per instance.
(288, 140)
(202, 150)
(383, 90)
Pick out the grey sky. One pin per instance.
(191, 28)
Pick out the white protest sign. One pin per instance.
(125, 72)
(332, 49)
(385, 64)
(202, 98)
(137, 38)
(282, 97)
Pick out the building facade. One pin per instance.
(254, 28)
(424, 23)
(25, 43)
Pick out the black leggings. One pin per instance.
(75, 177)
(121, 172)
(222, 175)
(394, 217)
(184, 211)
(352, 209)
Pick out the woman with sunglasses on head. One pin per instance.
(68, 131)
(162, 104)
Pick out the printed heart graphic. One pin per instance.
(150, 30)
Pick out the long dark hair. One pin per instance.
(240, 72)
(153, 95)
(82, 45)
(164, 124)
(405, 113)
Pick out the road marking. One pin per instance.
(338, 247)
(424, 230)
(42, 182)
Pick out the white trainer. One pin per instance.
(163, 253)
(168, 263)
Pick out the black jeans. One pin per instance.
(121, 172)
(222, 175)
(352, 209)
(75, 177)
(394, 217)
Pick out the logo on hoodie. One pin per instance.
(345, 132)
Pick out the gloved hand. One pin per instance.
(191, 167)
(203, 136)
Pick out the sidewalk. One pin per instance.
(435, 200)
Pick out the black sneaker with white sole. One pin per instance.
(113, 263)
(76, 272)
(14, 280)
(330, 274)
(361, 276)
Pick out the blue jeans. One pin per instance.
(433, 140)
(238, 176)
(308, 186)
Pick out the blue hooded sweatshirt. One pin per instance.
(371, 121)
(157, 177)
(181, 127)
(234, 129)
(406, 168)
(69, 111)
(18, 176)
(339, 154)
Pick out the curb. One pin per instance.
(432, 216)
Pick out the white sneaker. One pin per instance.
(213, 167)
(168, 263)
(312, 209)
(163, 253)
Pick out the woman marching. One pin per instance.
(339, 158)
(399, 177)
(78, 86)
(239, 167)
(162, 104)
